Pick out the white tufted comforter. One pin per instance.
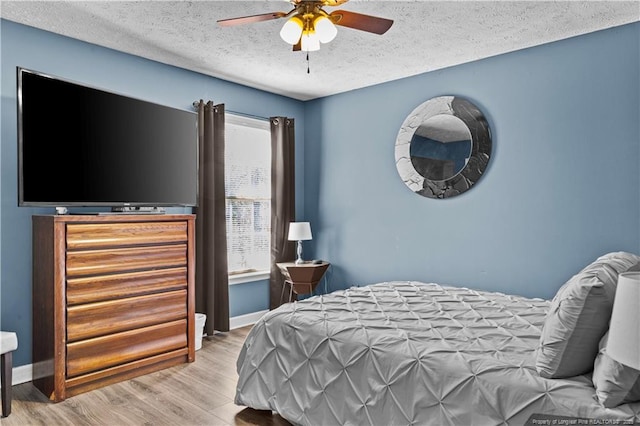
(403, 353)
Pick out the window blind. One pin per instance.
(248, 194)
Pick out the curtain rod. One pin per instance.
(241, 114)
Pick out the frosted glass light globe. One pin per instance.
(292, 30)
(310, 41)
(325, 29)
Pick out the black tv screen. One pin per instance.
(81, 146)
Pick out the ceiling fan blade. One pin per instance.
(359, 21)
(251, 19)
(298, 46)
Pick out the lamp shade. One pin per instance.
(310, 42)
(292, 30)
(325, 29)
(624, 330)
(299, 231)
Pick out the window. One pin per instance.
(248, 193)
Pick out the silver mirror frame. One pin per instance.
(480, 147)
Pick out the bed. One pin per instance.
(399, 353)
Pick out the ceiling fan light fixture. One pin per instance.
(310, 41)
(325, 29)
(308, 24)
(292, 30)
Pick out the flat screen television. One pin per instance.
(81, 146)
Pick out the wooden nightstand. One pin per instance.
(302, 278)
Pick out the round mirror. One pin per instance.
(440, 147)
(443, 147)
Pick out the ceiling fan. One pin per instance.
(309, 25)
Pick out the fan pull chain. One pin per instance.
(308, 70)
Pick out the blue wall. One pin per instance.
(562, 187)
(121, 73)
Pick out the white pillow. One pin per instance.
(579, 317)
(615, 383)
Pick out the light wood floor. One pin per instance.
(198, 393)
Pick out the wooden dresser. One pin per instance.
(113, 298)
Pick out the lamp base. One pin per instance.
(299, 253)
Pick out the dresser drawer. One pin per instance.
(97, 319)
(107, 287)
(113, 298)
(98, 235)
(109, 261)
(107, 351)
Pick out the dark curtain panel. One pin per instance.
(212, 277)
(282, 201)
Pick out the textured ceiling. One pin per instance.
(426, 36)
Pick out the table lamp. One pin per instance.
(299, 231)
(624, 330)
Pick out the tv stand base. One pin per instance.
(137, 210)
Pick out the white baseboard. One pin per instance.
(24, 373)
(244, 320)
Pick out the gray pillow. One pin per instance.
(579, 316)
(615, 383)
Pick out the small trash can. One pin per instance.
(200, 320)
